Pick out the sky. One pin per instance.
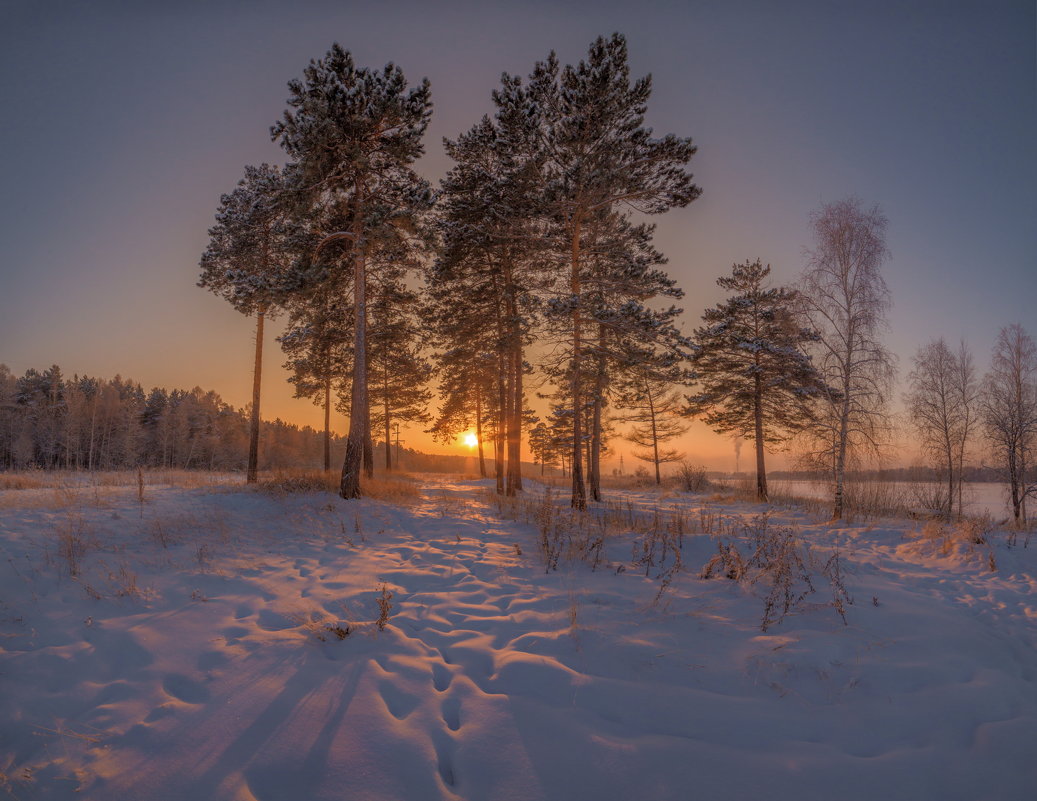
(124, 122)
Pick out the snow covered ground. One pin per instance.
(218, 643)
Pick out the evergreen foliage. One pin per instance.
(599, 157)
(246, 263)
(353, 134)
(754, 378)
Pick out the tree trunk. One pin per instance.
(253, 433)
(357, 442)
(515, 417)
(327, 422)
(594, 473)
(478, 432)
(655, 434)
(509, 421)
(840, 452)
(761, 470)
(579, 492)
(385, 409)
(499, 432)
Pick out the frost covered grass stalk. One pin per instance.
(384, 607)
(73, 544)
(776, 558)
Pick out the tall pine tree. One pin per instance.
(245, 264)
(598, 155)
(354, 133)
(755, 379)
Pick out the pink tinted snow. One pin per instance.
(193, 655)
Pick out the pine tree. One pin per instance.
(398, 373)
(755, 379)
(630, 342)
(655, 408)
(598, 155)
(318, 343)
(491, 247)
(245, 264)
(354, 133)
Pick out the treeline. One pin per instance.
(533, 236)
(48, 421)
(531, 268)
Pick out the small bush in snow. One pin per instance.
(692, 478)
(384, 607)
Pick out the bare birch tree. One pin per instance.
(845, 300)
(1009, 411)
(941, 403)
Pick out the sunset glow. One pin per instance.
(742, 295)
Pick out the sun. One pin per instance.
(471, 440)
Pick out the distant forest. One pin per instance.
(48, 421)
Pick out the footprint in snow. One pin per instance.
(185, 689)
(441, 677)
(273, 621)
(211, 659)
(232, 633)
(452, 713)
(399, 703)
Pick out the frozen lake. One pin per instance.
(980, 497)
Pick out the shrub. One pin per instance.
(692, 478)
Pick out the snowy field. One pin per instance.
(218, 643)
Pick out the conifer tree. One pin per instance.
(354, 134)
(655, 408)
(598, 155)
(491, 248)
(540, 445)
(755, 379)
(629, 341)
(398, 373)
(245, 264)
(318, 344)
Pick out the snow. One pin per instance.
(193, 656)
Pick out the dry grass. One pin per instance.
(282, 482)
(968, 538)
(399, 488)
(23, 481)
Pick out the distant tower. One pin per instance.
(738, 451)
(621, 464)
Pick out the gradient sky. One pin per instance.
(125, 121)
